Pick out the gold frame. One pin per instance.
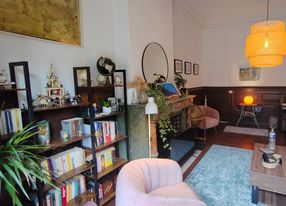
(55, 20)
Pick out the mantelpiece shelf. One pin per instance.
(101, 86)
(119, 163)
(81, 199)
(58, 181)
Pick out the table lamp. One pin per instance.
(150, 108)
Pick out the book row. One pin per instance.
(63, 162)
(71, 189)
(10, 121)
(105, 132)
(72, 127)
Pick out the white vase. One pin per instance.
(106, 110)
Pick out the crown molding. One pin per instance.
(197, 19)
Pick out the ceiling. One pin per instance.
(214, 12)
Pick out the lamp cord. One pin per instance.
(267, 10)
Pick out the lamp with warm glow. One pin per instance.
(266, 44)
(150, 108)
(248, 100)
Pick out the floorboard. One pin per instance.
(227, 139)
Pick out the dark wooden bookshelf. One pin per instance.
(59, 180)
(107, 198)
(12, 89)
(103, 116)
(119, 163)
(58, 142)
(105, 146)
(59, 107)
(81, 199)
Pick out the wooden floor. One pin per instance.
(230, 139)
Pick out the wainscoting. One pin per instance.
(226, 100)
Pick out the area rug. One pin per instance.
(222, 176)
(245, 130)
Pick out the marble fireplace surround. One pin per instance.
(138, 125)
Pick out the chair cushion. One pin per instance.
(180, 190)
(210, 122)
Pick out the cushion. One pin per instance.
(180, 190)
(210, 122)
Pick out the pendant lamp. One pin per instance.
(266, 44)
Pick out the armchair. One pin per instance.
(210, 120)
(153, 182)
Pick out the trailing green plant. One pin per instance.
(20, 163)
(164, 122)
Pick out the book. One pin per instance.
(44, 135)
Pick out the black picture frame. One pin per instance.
(196, 69)
(188, 68)
(178, 66)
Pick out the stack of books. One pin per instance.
(73, 127)
(105, 132)
(71, 189)
(10, 121)
(65, 161)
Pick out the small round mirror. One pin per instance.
(105, 66)
(154, 61)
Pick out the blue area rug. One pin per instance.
(222, 177)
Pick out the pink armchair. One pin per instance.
(153, 182)
(210, 120)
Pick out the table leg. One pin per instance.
(254, 117)
(240, 116)
(254, 195)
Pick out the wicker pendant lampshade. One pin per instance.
(266, 44)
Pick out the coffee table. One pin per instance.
(270, 184)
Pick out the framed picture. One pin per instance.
(178, 66)
(43, 129)
(55, 92)
(196, 69)
(249, 74)
(169, 89)
(188, 68)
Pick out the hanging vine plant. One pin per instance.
(164, 122)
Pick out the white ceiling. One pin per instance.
(215, 12)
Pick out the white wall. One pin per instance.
(224, 54)
(97, 40)
(149, 21)
(188, 42)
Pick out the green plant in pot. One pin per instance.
(180, 83)
(164, 122)
(20, 165)
(106, 106)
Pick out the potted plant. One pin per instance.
(180, 83)
(20, 165)
(106, 106)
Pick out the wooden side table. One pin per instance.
(246, 112)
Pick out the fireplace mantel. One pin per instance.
(138, 126)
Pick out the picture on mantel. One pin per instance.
(249, 74)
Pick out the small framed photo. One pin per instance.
(55, 92)
(188, 68)
(196, 69)
(178, 66)
(43, 129)
(113, 101)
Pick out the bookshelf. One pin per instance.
(94, 94)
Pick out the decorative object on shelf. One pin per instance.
(120, 105)
(105, 67)
(180, 83)
(178, 66)
(106, 106)
(3, 76)
(265, 44)
(20, 163)
(132, 96)
(140, 85)
(188, 68)
(249, 74)
(150, 108)
(44, 135)
(101, 80)
(248, 100)
(169, 90)
(118, 80)
(63, 26)
(196, 69)
(113, 101)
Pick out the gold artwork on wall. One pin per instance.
(56, 20)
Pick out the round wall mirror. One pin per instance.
(154, 61)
